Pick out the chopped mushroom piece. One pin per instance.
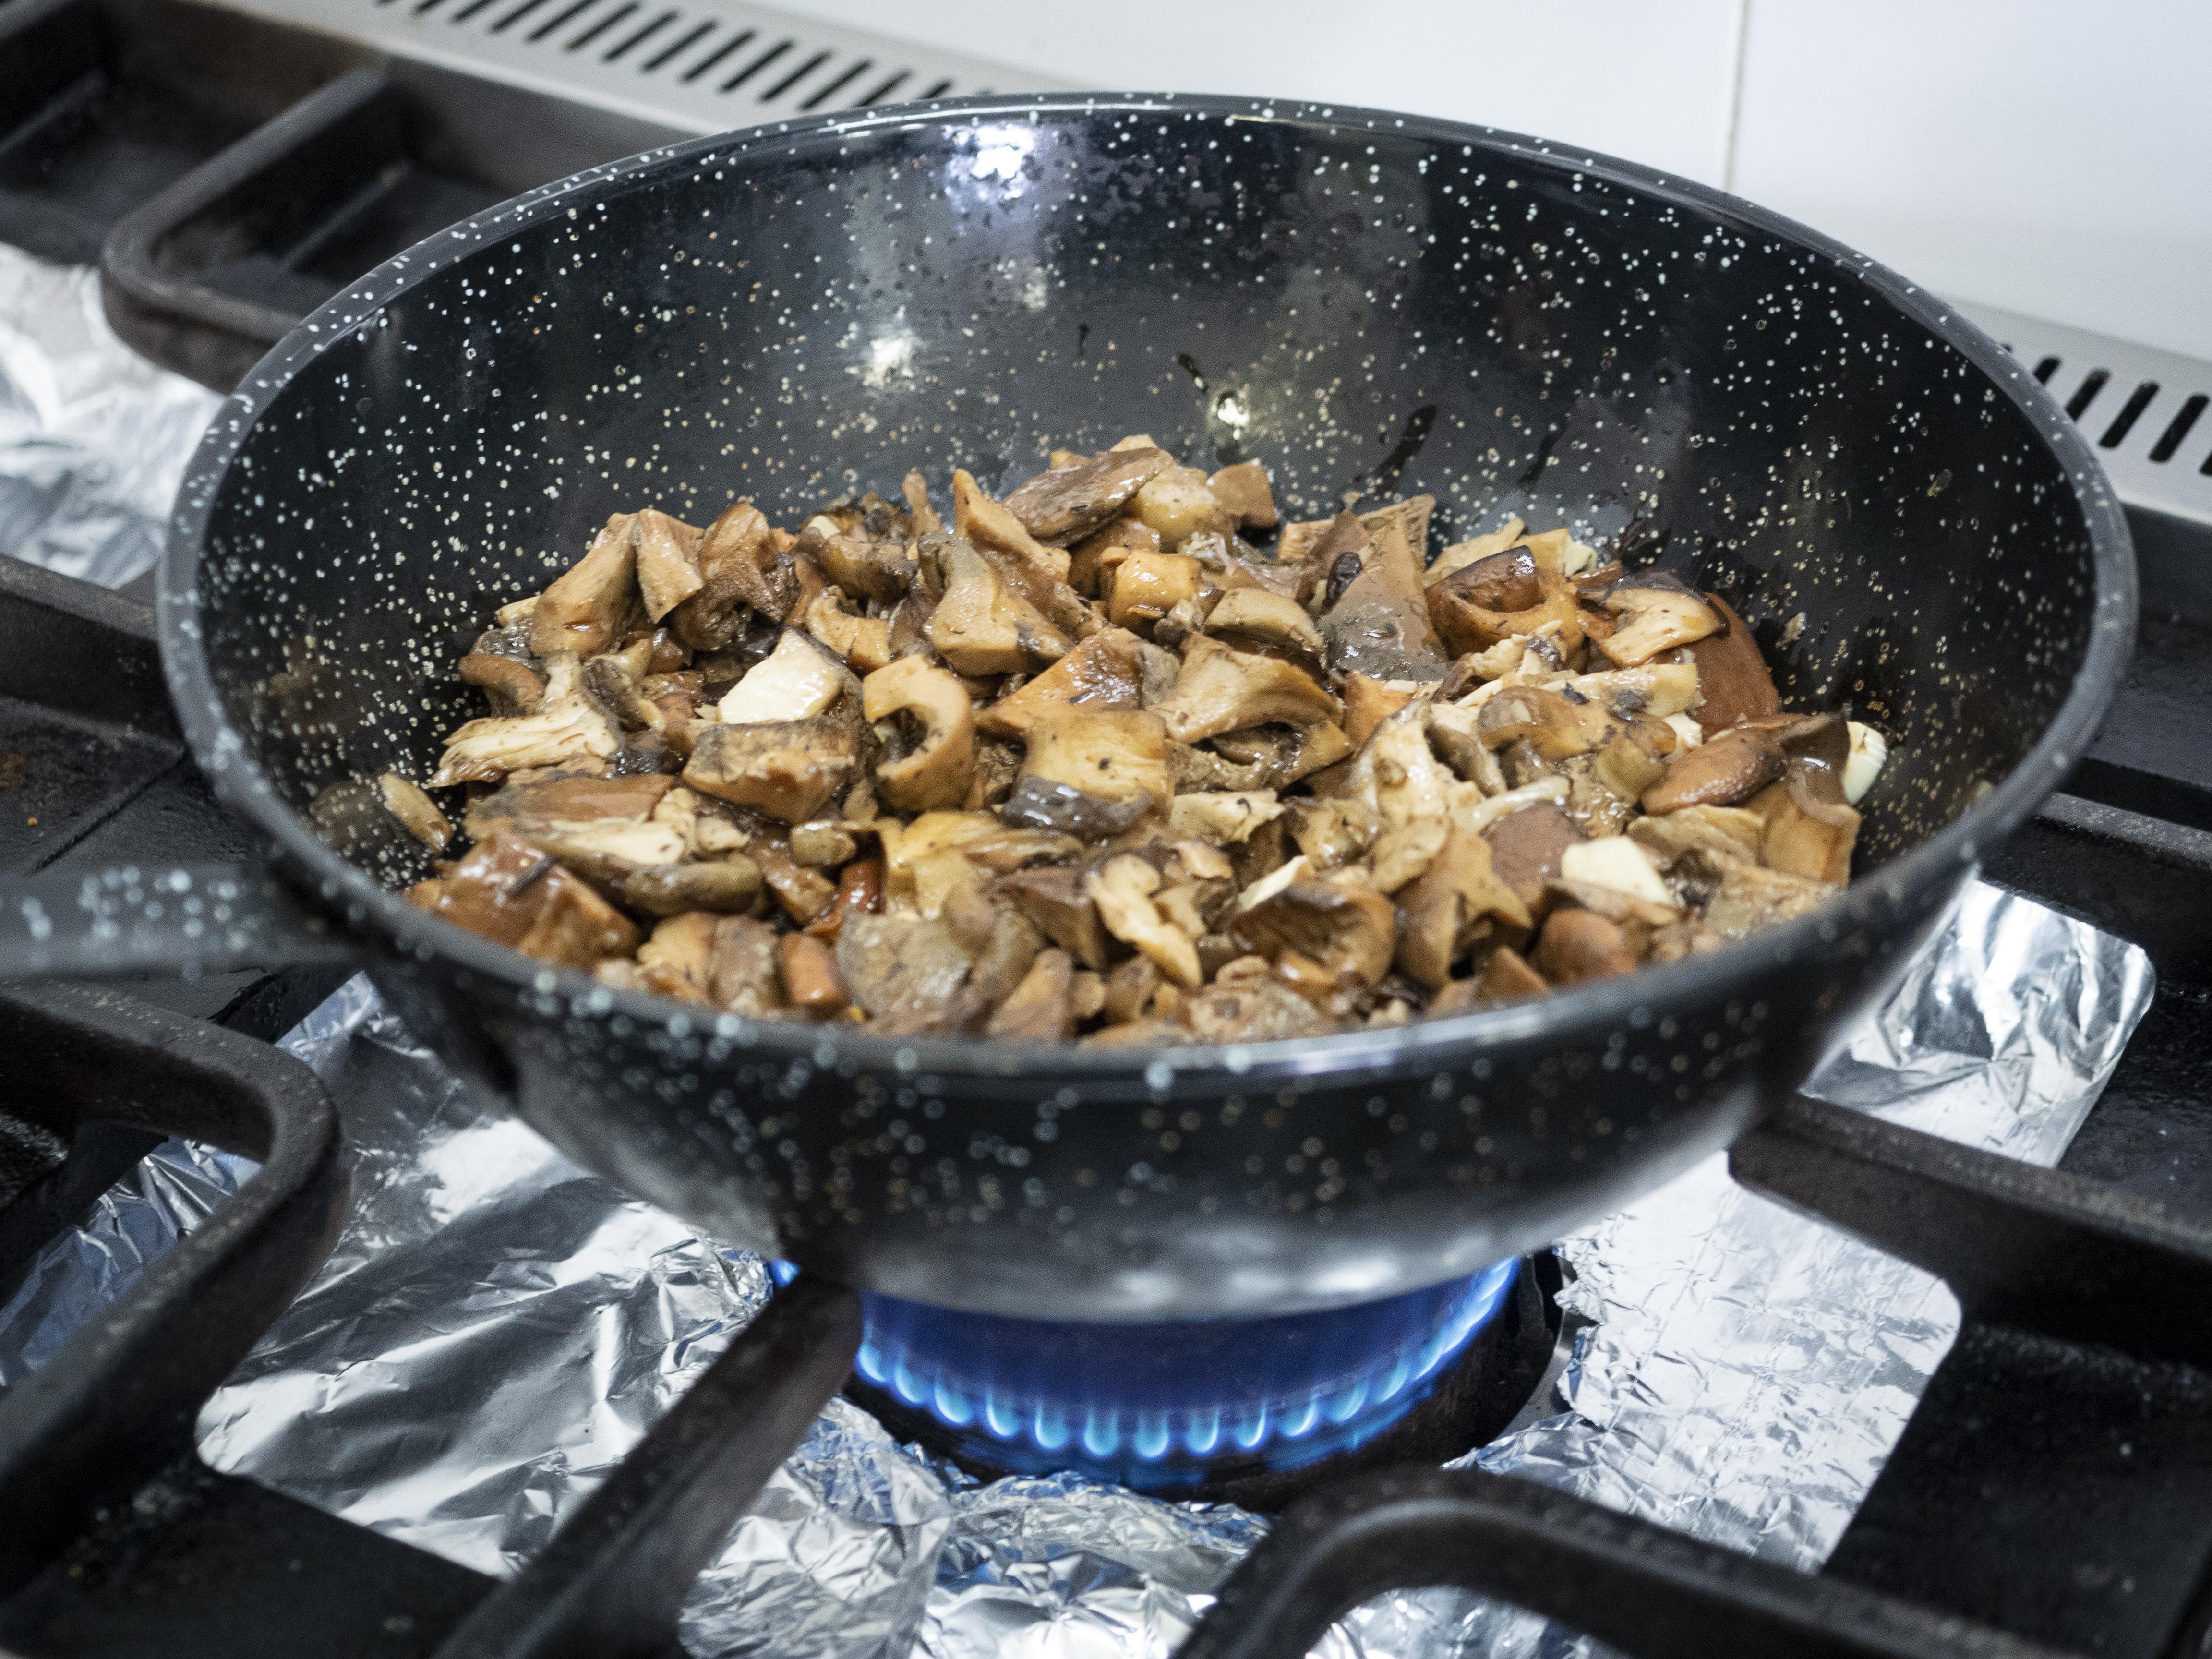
(1090, 768)
(569, 729)
(1069, 501)
(417, 813)
(1656, 613)
(981, 522)
(1225, 690)
(667, 561)
(796, 681)
(936, 771)
(982, 625)
(1347, 928)
(1731, 674)
(1243, 488)
(595, 602)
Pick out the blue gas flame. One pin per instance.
(1153, 1406)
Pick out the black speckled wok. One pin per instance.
(1912, 527)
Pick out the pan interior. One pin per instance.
(1371, 307)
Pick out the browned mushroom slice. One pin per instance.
(1723, 831)
(980, 521)
(1054, 898)
(1581, 944)
(745, 969)
(1123, 888)
(1379, 623)
(1526, 848)
(1263, 1011)
(1506, 974)
(1730, 767)
(727, 885)
(1731, 673)
(1176, 503)
(937, 851)
(1146, 586)
(508, 890)
(601, 827)
(1466, 625)
(1345, 927)
(667, 561)
(1069, 501)
(1560, 724)
(921, 515)
(1224, 816)
(981, 625)
(1751, 897)
(1222, 689)
(789, 769)
(1104, 671)
(514, 688)
(569, 729)
(1041, 1009)
(865, 642)
(1093, 562)
(416, 812)
(1807, 835)
(595, 602)
(936, 770)
(906, 972)
(678, 960)
(862, 567)
(1438, 911)
(1042, 803)
(1117, 754)
(1368, 701)
(1655, 612)
(741, 570)
(811, 980)
(1258, 619)
(1243, 489)
(1460, 555)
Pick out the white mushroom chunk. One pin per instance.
(1869, 750)
(936, 771)
(1122, 888)
(1657, 689)
(794, 682)
(1226, 816)
(667, 561)
(1617, 862)
(569, 730)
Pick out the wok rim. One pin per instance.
(412, 937)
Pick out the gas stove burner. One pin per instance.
(1174, 1404)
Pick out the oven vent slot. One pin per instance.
(2143, 409)
(695, 65)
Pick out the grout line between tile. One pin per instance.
(1736, 91)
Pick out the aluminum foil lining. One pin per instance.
(94, 438)
(496, 1327)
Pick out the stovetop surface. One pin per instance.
(2055, 1485)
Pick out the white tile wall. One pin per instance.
(2050, 157)
(1649, 79)
(2054, 158)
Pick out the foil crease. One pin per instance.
(497, 1326)
(94, 438)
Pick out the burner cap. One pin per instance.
(1172, 1404)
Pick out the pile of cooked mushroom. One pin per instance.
(1089, 765)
